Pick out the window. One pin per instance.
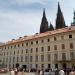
(55, 56)
(36, 49)
(17, 59)
(48, 40)
(21, 58)
(62, 37)
(31, 58)
(11, 47)
(22, 44)
(42, 49)
(36, 65)
(48, 48)
(63, 56)
(71, 45)
(70, 36)
(10, 60)
(63, 46)
(13, 59)
(31, 43)
(36, 42)
(27, 44)
(26, 50)
(55, 39)
(55, 47)
(42, 41)
(42, 58)
(31, 50)
(49, 57)
(14, 52)
(18, 45)
(26, 58)
(8, 47)
(14, 46)
(36, 58)
(72, 55)
(21, 51)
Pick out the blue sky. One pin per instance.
(23, 17)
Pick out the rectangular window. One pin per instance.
(55, 38)
(36, 42)
(49, 57)
(13, 59)
(62, 37)
(31, 42)
(48, 48)
(55, 56)
(36, 49)
(17, 59)
(42, 49)
(48, 40)
(63, 56)
(63, 46)
(26, 59)
(21, 58)
(42, 58)
(70, 36)
(36, 58)
(55, 47)
(71, 45)
(26, 50)
(72, 55)
(31, 50)
(31, 58)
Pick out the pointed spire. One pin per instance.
(60, 23)
(51, 27)
(44, 23)
(73, 19)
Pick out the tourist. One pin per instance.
(61, 72)
(12, 72)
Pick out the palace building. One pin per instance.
(51, 48)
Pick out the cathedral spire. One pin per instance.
(51, 27)
(44, 23)
(60, 23)
(73, 19)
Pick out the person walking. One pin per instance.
(61, 72)
(12, 72)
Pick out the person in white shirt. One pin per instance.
(12, 72)
(61, 72)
